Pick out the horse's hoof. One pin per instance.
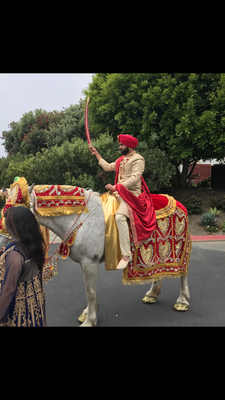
(82, 318)
(149, 300)
(180, 307)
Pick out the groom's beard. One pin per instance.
(125, 151)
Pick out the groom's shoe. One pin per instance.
(123, 264)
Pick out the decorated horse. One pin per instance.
(85, 222)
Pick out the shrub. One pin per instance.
(205, 183)
(193, 205)
(219, 202)
(208, 220)
(223, 227)
(214, 211)
(211, 229)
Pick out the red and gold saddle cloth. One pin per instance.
(166, 254)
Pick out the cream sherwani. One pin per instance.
(130, 172)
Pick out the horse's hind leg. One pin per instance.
(182, 303)
(90, 270)
(152, 294)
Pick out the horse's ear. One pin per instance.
(30, 188)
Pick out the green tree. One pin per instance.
(41, 129)
(70, 125)
(14, 137)
(72, 164)
(116, 102)
(182, 114)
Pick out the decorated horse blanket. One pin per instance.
(54, 200)
(166, 254)
(50, 200)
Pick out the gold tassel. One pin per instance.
(57, 211)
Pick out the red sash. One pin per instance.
(141, 210)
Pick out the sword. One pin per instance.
(86, 122)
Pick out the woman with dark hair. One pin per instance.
(22, 295)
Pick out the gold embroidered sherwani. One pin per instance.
(130, 172)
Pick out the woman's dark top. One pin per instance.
(22, 294)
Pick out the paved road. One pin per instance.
(122, 305)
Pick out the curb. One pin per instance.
(207, 238)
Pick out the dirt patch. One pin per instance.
(196, 229)
(206, 196)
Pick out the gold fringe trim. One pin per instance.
(57, 211)
(168, 210)
(142, 281)
(19, 205)
(43, 198)
(4, 232)
(160, 276)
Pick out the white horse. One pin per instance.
(88, 251)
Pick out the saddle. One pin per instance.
(166, 252)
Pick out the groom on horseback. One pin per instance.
(133, 195)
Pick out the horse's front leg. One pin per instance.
(90, 270)
(182, 303)
(83, 316)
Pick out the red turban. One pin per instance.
(128, 141)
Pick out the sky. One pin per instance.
(21, 93)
